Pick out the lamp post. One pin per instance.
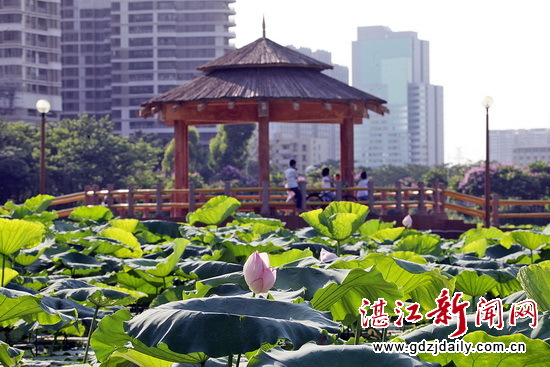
(43, 107)
(487, 102)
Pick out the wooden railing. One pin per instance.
(474, 206)
(159, 202)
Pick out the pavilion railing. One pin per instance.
(162, 203)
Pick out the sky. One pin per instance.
(478, 48)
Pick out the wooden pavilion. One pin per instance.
(262, 82)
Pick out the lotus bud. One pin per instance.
(257, 273)
(407, 221)
(327, 255)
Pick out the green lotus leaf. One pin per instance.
(418, 282)
(473, 284)
(259, 225)
(26, 257)
(333, 355)
(220, 326)
(91, 213)
(16, 305)
(134, 281)
(162, 228)
(537, 352)
(76, 263)
(16, 234)
(208, 269)
(475, 234)
(38, 203)
(33, 210)
(244, 250)
(374, 225)
(424, 244)
(7, 275)
(129, 225)
(408, 256)
(214, 211)
(91, 295)
(102, 245)
(339, 220)
(344, 299)
(9, 356)
(478, 246)
(287, 257)
(388, 234)
(535, 280)
(529, 240)
(160, 267)
(312, 279)
(133, 248)
(110, 340)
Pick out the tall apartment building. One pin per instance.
(86, 57)
(519, 147)
(105, 57)
(307, 137)
(118, 54)
(30, 64)
(157, 45)
(395, 66)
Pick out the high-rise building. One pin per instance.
(86, 57)
(309, 135)
(156, 46)
(30, 64)
(395, 66)
(105, 57)
(519, 147)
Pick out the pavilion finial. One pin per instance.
(263, 26)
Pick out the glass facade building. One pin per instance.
(395, 66)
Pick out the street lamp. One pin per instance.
(487, 102)
(43, 107)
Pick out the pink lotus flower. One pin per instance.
(327, 255)
(257, 273)
(407, 221)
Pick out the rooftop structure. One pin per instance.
(258, 83)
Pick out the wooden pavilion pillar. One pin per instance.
(263, 149)
(181, 154)
(346, 151)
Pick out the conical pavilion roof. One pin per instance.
(263, 70)
(263, 53)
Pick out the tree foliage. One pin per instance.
(78, 153)
(507, 181)
(197, 156)
(230, 146)
(18, 169)
(84, 151)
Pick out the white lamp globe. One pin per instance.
(43, 106)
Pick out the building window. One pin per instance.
(146, 5)
(141, 41)
(143, 65)
(135, 18)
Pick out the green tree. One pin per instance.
(198, 162)
(18, 168)
(230, 146)
(85, 152)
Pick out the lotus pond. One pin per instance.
(344, 291)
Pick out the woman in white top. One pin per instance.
(363, 195)
(291, 177)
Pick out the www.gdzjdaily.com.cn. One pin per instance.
(444, 346)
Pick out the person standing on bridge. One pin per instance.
(291, 178)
